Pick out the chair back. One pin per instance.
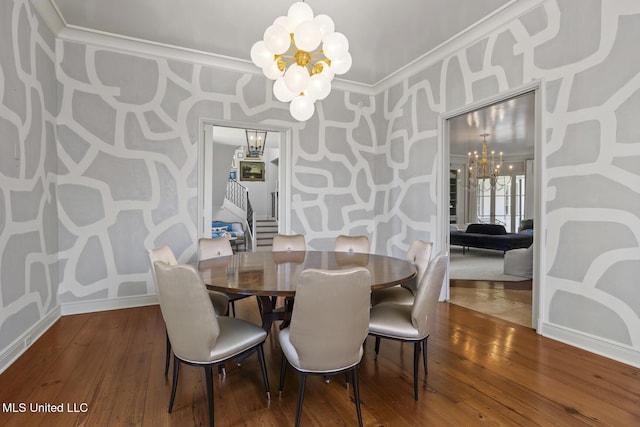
(190, 319)
(161, 253)
(358, 244)
(213, 248)
(291, 243)
(419, 254)
(426, 300)
(330, 318)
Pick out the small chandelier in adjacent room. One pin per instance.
(302, 54)
(256, 140)
(482, 167)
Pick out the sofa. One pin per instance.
(232, 229)
(489, 236)
(519, 262)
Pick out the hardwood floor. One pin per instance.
(482, 371)
(505, 300)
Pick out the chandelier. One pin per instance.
(256, 139)
(302, 54)
(482, 168)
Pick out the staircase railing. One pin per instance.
(251, 221)
(236, 194)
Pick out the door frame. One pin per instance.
(284, 168)
(442, 233)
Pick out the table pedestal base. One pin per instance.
(270, 313)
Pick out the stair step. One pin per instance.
(265, 230)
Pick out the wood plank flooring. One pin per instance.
(482, 371)
(505, 300)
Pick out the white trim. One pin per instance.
(54, 20)
(442, 217)
(81, 307)
(50, 14)
(592, 344)
(28, 337)
(539, 196)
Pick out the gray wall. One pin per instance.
(28, 168)
(590, 64)
(127, 132)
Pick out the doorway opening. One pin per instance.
(505, 194)
(239, 186)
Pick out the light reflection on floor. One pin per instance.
(513, 305)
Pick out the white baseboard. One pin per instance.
(31, 335)
(81, 307)
(592, 344)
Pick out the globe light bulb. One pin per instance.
(319, 86)
(302, 108)
(307, 36)
(325, 24)
(282, 92)
(283, 21)
(298, 13)
(341, 65)
(272, 71)
(277, 39)
(335, 46)
(260, 55)
(296, 78)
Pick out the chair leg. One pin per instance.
(416, 357)
(176, 369)
(301, 382)
(377, 347)
(424, 355)
(283, 368)
(263, 367)
(208, 372)
(356, 394)
(167, 354)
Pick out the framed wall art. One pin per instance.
(251, 171)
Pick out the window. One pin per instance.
(502, 203)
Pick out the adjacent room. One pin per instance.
(491, 152)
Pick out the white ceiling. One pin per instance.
(384, 36)
(510, 125)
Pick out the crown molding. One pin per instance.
(54, 20)
(509, 12)
(118, 42)
(50, 14)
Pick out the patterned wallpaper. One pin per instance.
(28, 215)
(126, 134)
(587, 55)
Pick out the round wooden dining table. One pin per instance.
(268, 275)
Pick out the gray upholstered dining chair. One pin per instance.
(218, 247)
(219, 301)
(419, 254)
(358, 244)
(197, 335)
(289, 243)
(329, 323)
(412, 323)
